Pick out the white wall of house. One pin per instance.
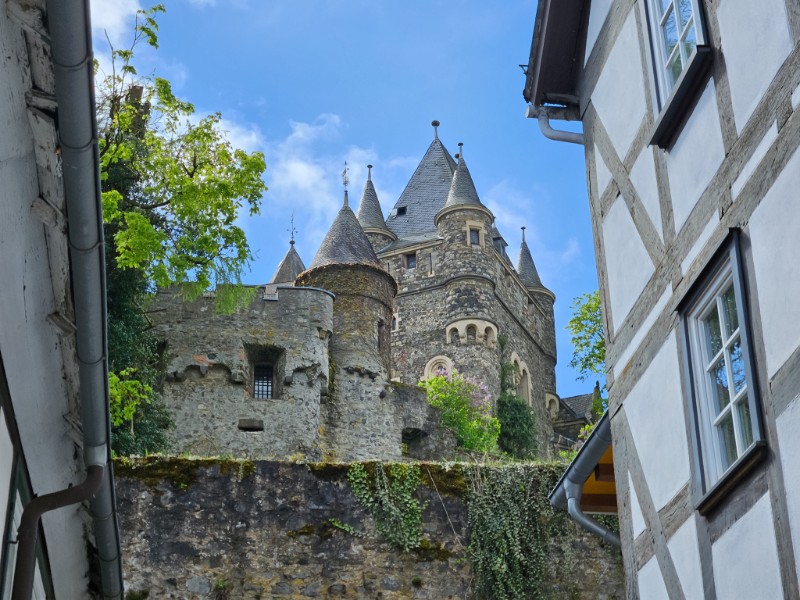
(33, 266)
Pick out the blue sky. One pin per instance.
(312, 83)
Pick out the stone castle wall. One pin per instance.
(209, 372)
(226, 529)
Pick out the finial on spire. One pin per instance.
(369, 172)
(523, 233)
(292, 231)
(345, 181)
(460, 151)
(435, 129)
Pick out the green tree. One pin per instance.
(173, 187)
(589, 343)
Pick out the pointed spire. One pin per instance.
(526, 268)
(345, 242)
(370, 214)
(291, 266)
(462, 189)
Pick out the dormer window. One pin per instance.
(401, 210)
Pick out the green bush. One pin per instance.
(517, 427)
(466, 407)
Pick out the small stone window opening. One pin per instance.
(410, 260)
(401, 210)
(394, 323)
(381, 328)
(262, 381)
(474, 237)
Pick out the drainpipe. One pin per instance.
(570, 489)
(72, 57)
(542, 114)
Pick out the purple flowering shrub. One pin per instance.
(466, 406)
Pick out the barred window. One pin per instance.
(262, 381)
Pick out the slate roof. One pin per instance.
(462, 189)
(345, 242)
(291, 266)
(369, 209)
(411, 240)
(580, 405)
(525, 267)
(425, 193)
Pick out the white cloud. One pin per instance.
(113, 18)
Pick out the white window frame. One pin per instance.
(673, 99)
(716, 475)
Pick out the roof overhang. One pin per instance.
(555, 59)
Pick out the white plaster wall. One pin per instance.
(788, 424)
(621, 114)
(756, 39)
(651, 583)
(627, 262)
(655, 413)
(643, 178)
(686, 557)
(30, 348)
(696, 155)
(750, 166)
(745, 558)
(6, 464)
(637, 518)
(700, 242)
(626, 355)
(597, 15)
(774, 233)
(602, 172)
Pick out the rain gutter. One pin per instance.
(568, 491)
(543, 115)
(72, 57)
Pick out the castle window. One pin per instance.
(474, 237)
(266, 366)
(394, 323)
(410, 260)
(401, 210)
(262, 381)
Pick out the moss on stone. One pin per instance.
(428, 551)
(448, 480)
(307, 529)
(180, 472)
(329, 471)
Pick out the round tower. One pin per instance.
(370, 216)
(358, 419)
(465, 226)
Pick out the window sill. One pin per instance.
(743, 466)
(672, 117)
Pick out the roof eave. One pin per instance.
(555, 60)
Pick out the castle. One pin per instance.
(324, 362)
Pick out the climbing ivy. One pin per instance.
(517, 421)
(511, 524)
(389, 498)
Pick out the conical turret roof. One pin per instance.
(462, 189)
(291, 266)
(345, 243)
(425, 193)
(370, 214)
(525, 267)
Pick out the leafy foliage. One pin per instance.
(466, 407)
(588, 338)
(390, 499)
(517, 427)
(511, 524)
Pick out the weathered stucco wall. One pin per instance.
(227, 529)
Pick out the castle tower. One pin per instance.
(370, 216)
(290, 267)
(359, 351)
(465, 228)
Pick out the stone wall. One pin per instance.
(228, 529)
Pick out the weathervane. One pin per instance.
(292, 231)
(345, 176)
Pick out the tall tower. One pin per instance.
(370, 215)
(359, 350)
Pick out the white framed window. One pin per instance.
(680, 52)
(728, 431)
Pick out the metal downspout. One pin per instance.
(72, 57)
(555, 134)
(574, 492)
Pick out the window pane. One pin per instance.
(713, 336)
(729, 310)
(474, 237)
(746, 425)
(665, 5)
(689, 42)
(670, 34)
(685, 11)
(727, 442)
(719, 376)
(674, 69)
(737, 366)
(262, 381)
